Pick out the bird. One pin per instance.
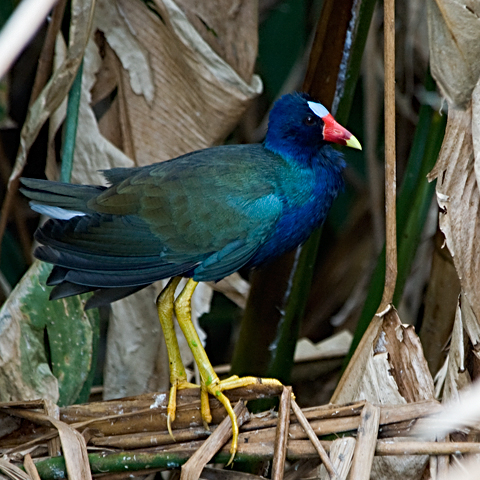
(203, 215)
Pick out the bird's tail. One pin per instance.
(59, 200)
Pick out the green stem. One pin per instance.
(70, 127)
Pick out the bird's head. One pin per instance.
(299, 127)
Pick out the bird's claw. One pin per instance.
(217, 387)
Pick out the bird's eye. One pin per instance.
(309, 120)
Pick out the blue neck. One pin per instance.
(323, 157)
(306, 200)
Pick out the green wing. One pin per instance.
(199, 206)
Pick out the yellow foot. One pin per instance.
(217, 387)
(210, 383)
(172, 401)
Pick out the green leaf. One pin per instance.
(46, 345)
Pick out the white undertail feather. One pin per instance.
(55, 212)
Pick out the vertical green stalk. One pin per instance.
(70, 127)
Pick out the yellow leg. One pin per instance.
(209, 380)
(178, 375)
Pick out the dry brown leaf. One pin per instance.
(337, 345)
(74, 450)
(459, 201)
(73, 444)
(58, 86)
(351, 381)
(407, 363)
(93, 152)
(122, 38)
(198, 96)
(454, 38)
(234, 287)
(440, 300)
(476, 129)
(218, 24)
(457, 376)
(134, 348)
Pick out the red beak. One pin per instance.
(335, 133)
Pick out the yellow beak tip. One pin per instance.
(352, 142)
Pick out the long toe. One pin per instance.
(217, 388)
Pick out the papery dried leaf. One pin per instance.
(407, 363)
(454, 38)
(337, 345)
(73, 444)
(351, 382)
(388, 368)
(122, 37)
(12, 470)
(440, 299)
(198, 96)
(457, 376)
(220, 24)
(74, 450)
(459, 201)
(476, 129)
(133, 348)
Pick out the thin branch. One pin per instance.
(281, 437)
(194, 466)
(390, 174)
(315, 441)
(366, 442)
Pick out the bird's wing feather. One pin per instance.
(200, 202)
